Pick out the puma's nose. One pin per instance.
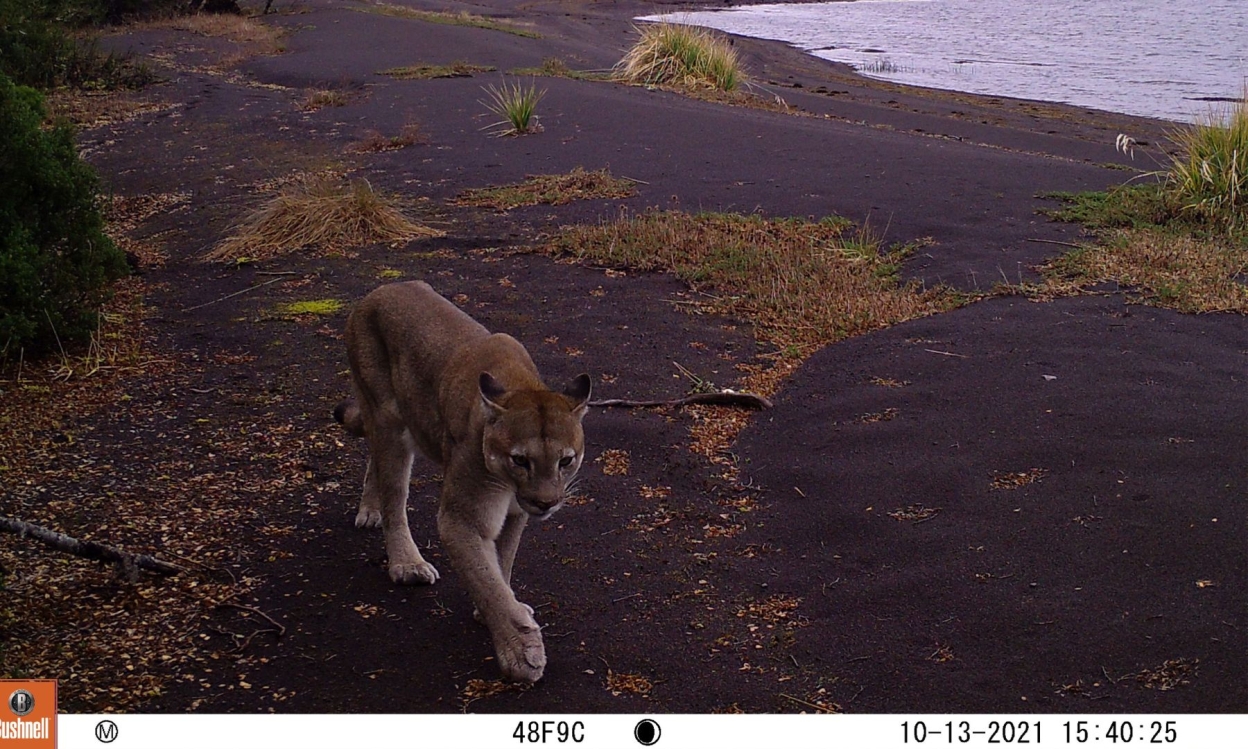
(542, 505)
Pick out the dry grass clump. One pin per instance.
(457, 69)
(91, 109)
(803, 284)
(260, 38)
(549, 189)
(444, 17)
(322, 98)
(1179, 271)
(322, 213)
(374, 142)
(669, 54)
(554, 67)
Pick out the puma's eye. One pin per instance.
(565, 461)
(520, 461)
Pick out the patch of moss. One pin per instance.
(318, 307)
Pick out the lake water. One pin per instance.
(1155, 58)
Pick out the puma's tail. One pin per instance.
(348, 414)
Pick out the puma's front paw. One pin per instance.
(368, 517)
(521, 654)
(417, 573)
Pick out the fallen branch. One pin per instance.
(127, 564)
(231, 296)
(281, 628)
(722, 398)
(1056, 242)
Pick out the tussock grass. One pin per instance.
(443, 17)
(802, 284)
(554, 67)
(457, 69)
(516, 105)
(374, 142)
(669, 54)
(549, 189)
(1210, 177)
(322, 213)
(316, 100)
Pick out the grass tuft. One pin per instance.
(374, 142)
(554, 67)
(669, 54)
(457, 69)
(319, 99)
(322, 213)
(516, 105)
(453, 19)
(793, 279)
(549, 189)
(1210, 177)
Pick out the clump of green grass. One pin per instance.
(1145, 241)
(443, 17)
(309, 307)
(323, 213)
(374, 142)
(517, 106)
(554, 67)
(802, 284)
(669, 54)
(457, 69)
(1210, 177)
(549, 189)
(321, 98)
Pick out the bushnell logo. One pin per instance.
(21, 703)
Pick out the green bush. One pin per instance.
(55, 261)
(38, 49)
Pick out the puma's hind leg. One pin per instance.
(390, 471)
(369, 514)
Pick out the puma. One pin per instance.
(426, 375)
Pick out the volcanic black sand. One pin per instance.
(1017, 506)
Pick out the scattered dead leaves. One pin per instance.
(887, 414)
(916, 513)
(479, 689)
(1173, 673)
(614, 462)
(1005, 480)
(621, 684)
(888, 382)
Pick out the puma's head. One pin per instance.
(533, 440)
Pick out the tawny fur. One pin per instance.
(427, 376)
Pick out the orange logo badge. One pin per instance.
(28, 715)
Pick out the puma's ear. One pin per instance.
(491, 394)
(578, 391)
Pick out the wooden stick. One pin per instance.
(128, 564)
(281, 628)
(1054, 241)
(231, 296)
(722, 398)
